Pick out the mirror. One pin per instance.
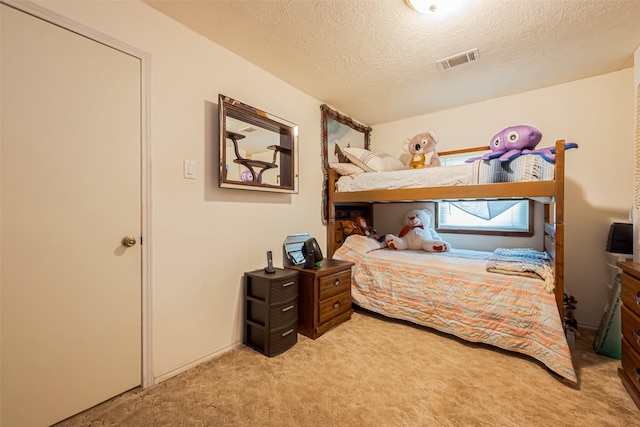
(338, 131)
(258, 151)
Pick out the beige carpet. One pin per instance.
(371, 371)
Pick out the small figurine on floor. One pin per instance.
(417, 234)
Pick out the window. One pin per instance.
(500, 217)
(504, 217)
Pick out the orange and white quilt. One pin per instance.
(454, 293)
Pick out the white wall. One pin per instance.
(636, 98)
(204, 238)
(597, 113)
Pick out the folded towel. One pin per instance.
(523, 262)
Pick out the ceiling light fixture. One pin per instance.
(423, 6)
(440, 7)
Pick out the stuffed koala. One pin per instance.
(422, 148)
(417, 234)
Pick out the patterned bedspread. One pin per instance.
(453, 293)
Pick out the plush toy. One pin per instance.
(247, 176)
(549, 153)
(512, 142)
(367, 230)
(422, 148)
(345, 228)
(349, 227)
(417, 234)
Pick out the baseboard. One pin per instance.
(193, 364)
(587, 327)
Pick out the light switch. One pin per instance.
(190, 169)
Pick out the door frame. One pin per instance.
(147, 378)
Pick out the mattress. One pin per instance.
(522, 169)
(453, 293)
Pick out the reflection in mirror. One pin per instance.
(338, 132)
(258, 151)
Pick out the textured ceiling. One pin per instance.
(375, 60)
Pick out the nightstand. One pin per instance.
(324, 296)
(630, 320)
(270, 310)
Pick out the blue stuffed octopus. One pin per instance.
(514, 141)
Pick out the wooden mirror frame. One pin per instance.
(258, 151)
(338, 127)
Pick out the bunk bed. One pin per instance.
(547, 344)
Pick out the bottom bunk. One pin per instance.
(454, 293)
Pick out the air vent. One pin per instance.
(459, 59)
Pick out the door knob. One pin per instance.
(128, 241)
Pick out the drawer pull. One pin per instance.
(287, 333)
(637, 372)
(637, 335)
(288, 308)
(336, 305)
(336, 282)
(284, 285)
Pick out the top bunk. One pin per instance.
(546, 190)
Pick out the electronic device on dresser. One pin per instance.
(630, 320)
(312, 253)
(269, 268)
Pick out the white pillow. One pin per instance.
(346, 168)
(390, 163)
(372, 162)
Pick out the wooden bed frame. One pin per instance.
(549, 193)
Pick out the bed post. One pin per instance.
(331, 213)
(559, 227)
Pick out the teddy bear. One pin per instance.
(422, 148)
(417, 234)
(345, 228)
(350, 227)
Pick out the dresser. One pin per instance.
(630, 321)
(270, 310)
(324, 296)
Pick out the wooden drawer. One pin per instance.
(631, 293)
(631, 364)
(324, 296)
(282, 339)
(333, 306)
(284, 314)
(335, 284)
(271, 343)
(280, 289)
(631, 328)
(284, 290)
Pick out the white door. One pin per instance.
(70, 191)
